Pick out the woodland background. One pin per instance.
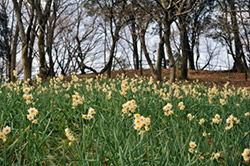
(52, 37)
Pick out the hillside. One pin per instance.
(211, 77)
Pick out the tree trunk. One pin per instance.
(159, 60)
(172, 63)
(141, 70)
(111, 57)
(6, 35)
(49, 40)
(145, 51)
(160, 55)
(191, 58)
(239, 54)
(41, 46)
(51, 66)
(144, 47)
(13, 54)
(135, 48)
(108, 66)
(27, 51)
(197, 52)
(184, 47)
(25, 37)
(26, 62)
(161, 51)
(50, 37)
(43, 15)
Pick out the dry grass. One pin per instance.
(210, 77)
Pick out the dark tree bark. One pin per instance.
(172, 62)
(161, 51)
(116, 23)
(13, 53)
(239, 65)
(41, 50)
(80, 62)
(108, 66)
(43, 16)
(185, 47)
(25, 37)
(5, 39)
(50, 36)
(135, 47)
(143, 44)
(161, 55)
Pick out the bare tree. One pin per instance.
(133, 27)
(25, 34)
(228, 32)
(51, 26)
(244, 22)
(77, 39)
(212, 52)
(5, 37)
(58, 23)
(239, 53)
(167, 12)
(144, 19)
(43, 16)
(114, 15)
(13, 53)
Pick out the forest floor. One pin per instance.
(209, 77)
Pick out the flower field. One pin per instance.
(123, 121)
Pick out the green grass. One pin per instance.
(109, 138)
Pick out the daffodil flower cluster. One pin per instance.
(129, 107)
(6, 130)
(192, 146)
(212, 92)
(89, 115)
(230, 120)
(215, 156)
(201, 157)
(167, 109)
(6, 79)
(151, 81)
(190, 116)
(140, 122)
(28, 97)
(204, 134)
(77, 99)
(164, 96)
(55, 81)
(201, 121)
(109, 93)
(69, 135)
(124, 87)
(14, 73)
(104, 90)
(38, 79)
(74, 78)
(134, 89)
(226, 92)
(177, 92)
(32, 114)
(181, 105)
(222, 101)
(216, 119)
(245, 154)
